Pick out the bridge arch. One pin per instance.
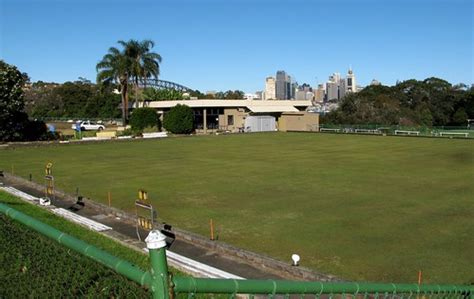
(163, 84)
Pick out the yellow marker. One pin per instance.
(142, 195)
(48, 170)
(211, 224)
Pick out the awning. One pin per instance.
(268, 109)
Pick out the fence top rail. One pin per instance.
(249, 286)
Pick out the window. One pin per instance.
(230, 120)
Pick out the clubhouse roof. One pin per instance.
(255, 106)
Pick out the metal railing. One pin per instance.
(163, 285)
(435, 131)
(75, 118)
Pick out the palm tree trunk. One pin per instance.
(136, 92)
(124, 102)
(126, 105)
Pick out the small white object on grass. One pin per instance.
(296, 259)
(44, 201)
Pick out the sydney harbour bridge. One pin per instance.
(163, 84)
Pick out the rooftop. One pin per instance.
(252, 105)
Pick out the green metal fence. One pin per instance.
(163, 285)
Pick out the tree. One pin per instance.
(429, 102)
(460, 117)
(74, 97)
(115, 67)
(14, 122)
(179, 120)
(197, 94)
(424, 116)
(144, 64)
(233, 95)
(42, 100)
(142, 118)
(12, 118)
(133, 63)
(152, 94)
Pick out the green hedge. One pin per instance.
(179, 120)
(142, 118)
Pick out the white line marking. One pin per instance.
(94, 225)
(179, 261)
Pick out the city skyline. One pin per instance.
(209, 45)
(283, 87)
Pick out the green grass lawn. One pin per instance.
(361, 207)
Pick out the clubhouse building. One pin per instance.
(245, 115)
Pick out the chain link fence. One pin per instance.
(33, 266)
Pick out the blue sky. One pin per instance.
(220, 45)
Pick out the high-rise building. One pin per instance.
(300, 95)
(350, 82)
(320, 93)
(342, 88)
(332, 91)
(270, 89)
(293, 89)
(332, 87)
(336, 77)
(309, 96)
(306, 87)
(282, 86)
(337, 87)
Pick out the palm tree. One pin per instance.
(144, 64)
(134, 63)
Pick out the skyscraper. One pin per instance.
(282, 86)
(348, 84)
(342, 88)
(270, 90)
(332, 87)
(350, 81)
(293, 89)
(337, 87)
(320, 93)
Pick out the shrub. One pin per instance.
(35, 129)
(144, 117)
(179, 120)
(126, 132)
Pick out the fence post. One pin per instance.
(156, 244)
